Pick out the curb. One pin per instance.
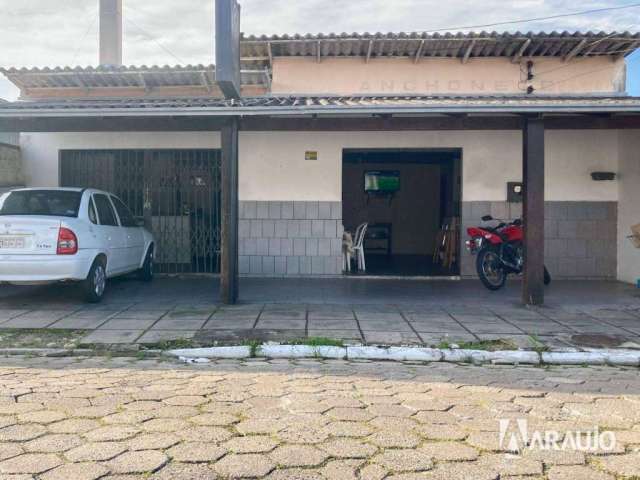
(622, 358)
(616, 358)
(78, 352)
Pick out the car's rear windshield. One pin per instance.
(57, 203)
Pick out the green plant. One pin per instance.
(537, 345)
(253, 347)
(40, 338)
(320, 342)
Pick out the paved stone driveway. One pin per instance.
(121, 419)
(375, 312)
(373, 324)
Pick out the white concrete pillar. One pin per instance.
(111, 32)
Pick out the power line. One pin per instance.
(154, 40)
(81, 42)
(535, 19)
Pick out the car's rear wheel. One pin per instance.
(146, 272)
(96, 282)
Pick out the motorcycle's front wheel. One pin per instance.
(490, 269)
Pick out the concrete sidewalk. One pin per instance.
(381, 312)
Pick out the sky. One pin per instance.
(65, 32)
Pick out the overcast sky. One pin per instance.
(65, 32)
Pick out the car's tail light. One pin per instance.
(67, 242)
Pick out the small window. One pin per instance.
(105, 210)
(126, 217)
(92, 212)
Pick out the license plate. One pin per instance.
(12, 242)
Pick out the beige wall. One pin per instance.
(273, 165)
(348, 76)
(571, 156)
(629, 206)
(40, 150)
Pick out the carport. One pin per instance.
(530, 115)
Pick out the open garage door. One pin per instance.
(407, 203)
(176, 191)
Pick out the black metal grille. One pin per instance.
(176, 191)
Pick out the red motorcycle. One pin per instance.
(499, 251)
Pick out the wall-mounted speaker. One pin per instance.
(603, 176)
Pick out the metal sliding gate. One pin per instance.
(176, 191)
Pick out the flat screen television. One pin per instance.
(382, 181)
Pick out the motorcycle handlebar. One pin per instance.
(503, 223)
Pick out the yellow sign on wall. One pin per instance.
(310, 155)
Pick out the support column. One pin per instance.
(229, 216)
(533, 211)
(111, 32)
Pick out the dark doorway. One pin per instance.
(410, 200)
(176, 191)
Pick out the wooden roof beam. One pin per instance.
(205, 81)
(623, 49)
(523, 48)
(267, 79)
(419, 51)
(575, 50)
(270, 54)
(467, 53)
(369, 51)
(143, 82)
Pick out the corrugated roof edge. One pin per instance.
(111, 69)
(279, 106)
(443, 35)
(107, 69)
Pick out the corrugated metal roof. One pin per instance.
(258, 52)
(125, 76)
(308, 105)
(457, 45)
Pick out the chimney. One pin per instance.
(111, 32)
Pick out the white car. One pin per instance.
(71, 234)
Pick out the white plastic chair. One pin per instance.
(358, 246)
(347, 251)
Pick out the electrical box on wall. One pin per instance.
(514, 192)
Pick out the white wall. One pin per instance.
(629, 205)
(40, 150)
(273, 165)
(570, 158)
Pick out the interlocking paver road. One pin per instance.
(124, 419)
